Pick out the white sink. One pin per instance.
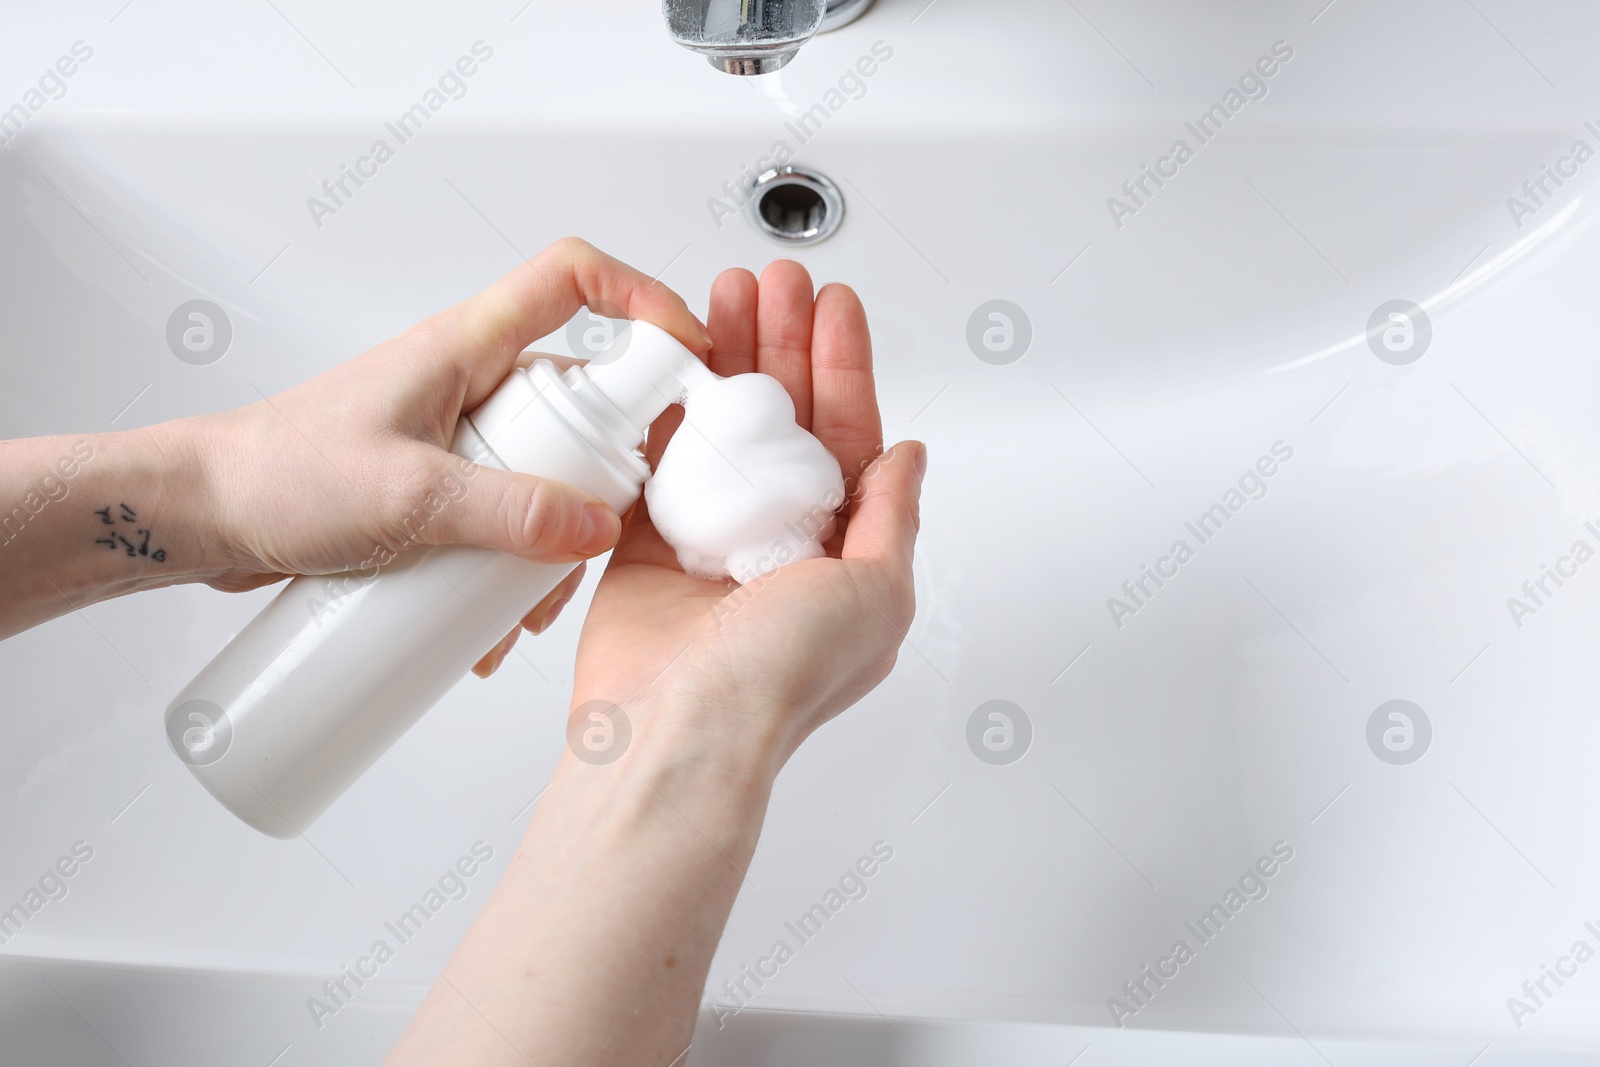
(1229, 712)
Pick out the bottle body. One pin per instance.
(320, 684)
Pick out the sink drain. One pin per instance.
(796, 207)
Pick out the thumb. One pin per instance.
(536, 518)
(881, 534)
(885, 515)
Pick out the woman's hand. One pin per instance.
(594, 947)
(353, 466)
(314, 479)
(755, 669)
(342, 472)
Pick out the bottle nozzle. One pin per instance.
(652, 374)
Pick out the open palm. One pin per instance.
(813, 636)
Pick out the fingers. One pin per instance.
(883, 527)
(536, 518)
(562, 363)
(497, 655)
(535, 622)
(844, 414)
(641, 542)
(732, 322)
(783, 332)
(487, 331)
(235, 582)
(661, 431)
(547, 610)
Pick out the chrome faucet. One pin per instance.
(754, 36)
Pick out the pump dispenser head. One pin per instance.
(608, 407)
(652, 374)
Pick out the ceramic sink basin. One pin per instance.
(1266, 434)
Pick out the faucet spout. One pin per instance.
(744, 36)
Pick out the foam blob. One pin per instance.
(741, 488)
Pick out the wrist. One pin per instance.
(94, 517)
(690, 750)
(187, 500)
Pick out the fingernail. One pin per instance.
(497, 656)
(550, 616)
(920, 461)
(599, 529)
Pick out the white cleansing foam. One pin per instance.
(742, 489)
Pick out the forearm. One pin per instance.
(85, 517)
(594, 947)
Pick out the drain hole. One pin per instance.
(796, 207)
(793, 211)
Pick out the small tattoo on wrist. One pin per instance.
(134, 543)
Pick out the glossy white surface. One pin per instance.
(181, 1018)
(1167, 357)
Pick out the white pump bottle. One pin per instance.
(316, 688)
